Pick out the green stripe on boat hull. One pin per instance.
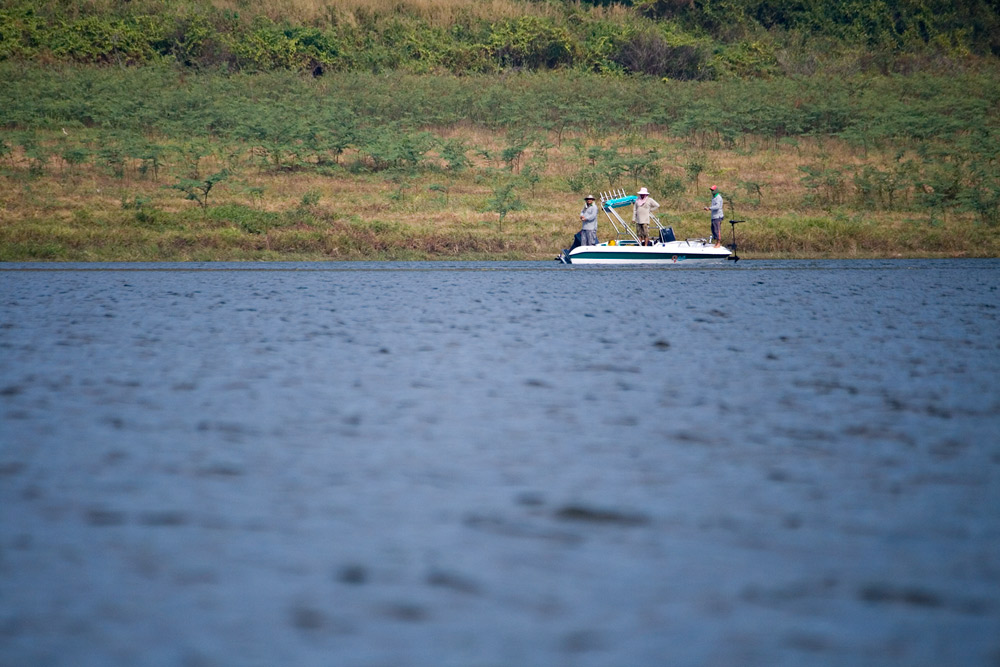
(649, 257)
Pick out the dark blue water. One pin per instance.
(500, 464)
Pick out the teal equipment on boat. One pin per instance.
(624, 233)
(619, 202)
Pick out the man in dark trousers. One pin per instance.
(715, 207)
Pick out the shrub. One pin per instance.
(266, 46)
(106, 39)
(531, 42)
(22, 33)
(883, 189)
(649, 52)
(454, 154)
(192, 40)
(825, 184)
(750, 60)
(249, 220)
(394, 146)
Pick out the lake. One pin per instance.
(380, 464)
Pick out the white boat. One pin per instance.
(625, 247)
(661, 252)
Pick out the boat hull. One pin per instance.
(659, 253)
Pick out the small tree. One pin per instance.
(512, 154)
(191, 153)
(6, 152)
(825, 185)
(73, 156)
(983, 196)
(443, 189)
(694, 166)
(453, 152)
(611, 166)
(504, 199)
(753, 188)
(113, 157)
(151, 156)
(531, 174)
(36, 153)
(641, 166)
(199, 189)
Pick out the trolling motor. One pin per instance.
(734, 256)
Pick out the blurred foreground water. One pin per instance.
(764, 463)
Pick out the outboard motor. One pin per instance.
(733, 256)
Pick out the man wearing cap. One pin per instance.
(641, 208)
(715, 207)
(588, 220)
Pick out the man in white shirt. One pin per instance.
(641, 209)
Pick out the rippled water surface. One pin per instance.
(500, 464)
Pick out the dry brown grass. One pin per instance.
(378, 215)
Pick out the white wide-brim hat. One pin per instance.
(643, 191)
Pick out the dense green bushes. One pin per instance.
(695, 40)
(878, 24)
(207, 38)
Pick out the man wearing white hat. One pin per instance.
(641, 208)
(588, 221)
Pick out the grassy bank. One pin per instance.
(157, 164)
(86, 214)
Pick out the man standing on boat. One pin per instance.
(588, 220)
(716, 209)
(641, 209)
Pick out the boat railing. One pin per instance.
(615, 199)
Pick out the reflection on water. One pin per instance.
(478, 463)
